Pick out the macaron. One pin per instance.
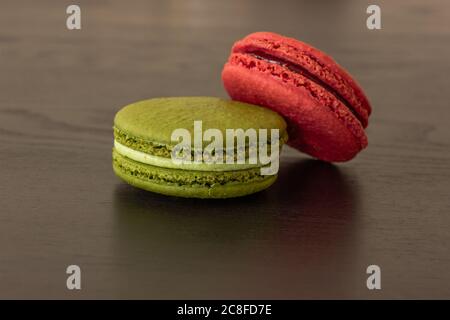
(325, 109)
(144, 146)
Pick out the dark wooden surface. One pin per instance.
(311, 235)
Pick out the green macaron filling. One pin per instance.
(143, 145)
(162, 175)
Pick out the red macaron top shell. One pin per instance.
(314, 61)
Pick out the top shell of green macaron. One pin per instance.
(156, 119)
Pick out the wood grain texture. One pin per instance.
(311, 235)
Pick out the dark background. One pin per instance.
(311, 235)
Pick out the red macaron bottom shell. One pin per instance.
(312, 127)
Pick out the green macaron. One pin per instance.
(145, 150)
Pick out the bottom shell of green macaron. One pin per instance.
(137, 175)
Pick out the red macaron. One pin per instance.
(326, 110)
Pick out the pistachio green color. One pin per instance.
(147, 126)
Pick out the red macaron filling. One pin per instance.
(299, 69)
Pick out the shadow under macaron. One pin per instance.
(306, 192)
(293, 228)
